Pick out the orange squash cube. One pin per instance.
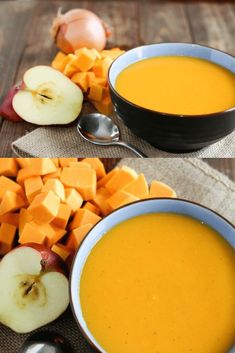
(138, 187)
(7, 236)
(61, 250)
(83, 216)
(45, 207)
(120, 198)
(56, 186)
(11, 202)
(159, 189)
(33, 186)
(77, 235)
(73, 199)
(10, 185)
(122, 178)
(62, 216)
(8, 167)
(97, 165)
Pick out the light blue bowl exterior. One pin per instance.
(138, 208)
(170, 49)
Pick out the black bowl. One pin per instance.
(172, 132)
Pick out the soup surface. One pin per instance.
(178, 85)
(160, 283)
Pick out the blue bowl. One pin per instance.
(201, 213)
(172, 132)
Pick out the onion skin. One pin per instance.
(79, 28)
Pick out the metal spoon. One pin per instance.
(46, 342)
(101, 130)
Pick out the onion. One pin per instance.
(79, 28)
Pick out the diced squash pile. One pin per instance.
(56, 201)
(88, 68)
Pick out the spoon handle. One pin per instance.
(132, 148)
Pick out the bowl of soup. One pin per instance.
(157, 275)
(179, 97)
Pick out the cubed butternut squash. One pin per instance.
(159, 189)
(8, 167)
(85, 59)
(83, 216)
(77, 235)
(84, 180)
(61, 250)
(33, 186)
(122, 178)
(100, 200)
(24, 217)
(45, 207)
(97, 165)
(11, 202)
(120, 198)
(7, 236)
(81, 79)
(62, 216)
(73, 199)
(138, 187)
(64, 162)
(89, 206)
(60, 61)
(9, 185)
(32, 233)
(10, 218)
(103, 181)
(56, 186)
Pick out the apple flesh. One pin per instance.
(34, 289)
(6, 108)
(48, 98)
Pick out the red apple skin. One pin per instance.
(6, 108)
(51, 262)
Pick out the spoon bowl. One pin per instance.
(46, 342)
(99, 129)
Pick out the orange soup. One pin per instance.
(160, 283)
(178, 85)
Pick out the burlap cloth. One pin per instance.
(192, 179)
(66, 142)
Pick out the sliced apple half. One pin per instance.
(33, 288)
(48, 98)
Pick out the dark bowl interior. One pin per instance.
(169, 132)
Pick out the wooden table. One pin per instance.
(25, 40)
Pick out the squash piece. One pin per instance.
(80, 78)
(103, 181)
(113, 53)
(36, 166)
(96, 93)
(91, 78)
(77, 235)
(52, 175)
(97, 165)
(89, 206)
(71, 66)
(55, 236)
(120, 198)
(73, 199)
(100, 200)
(83, 216)
(8, 167)
(159, 189)
(32, 233)
(55, 161)
(61, 250)
(33, 186)
(101, 67)
(105, 106)
(123, 177)
(24, 217)
(59, 61)
(11, 202)
(10, 185)
(63, 215)
(56, 186)
(22, 162)
(7, 236)
(138, 187)
(85, 59)
(10, 218)
(84, 180)
(99, 81)
(64, 162)
(80, 165)
(45, 207)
